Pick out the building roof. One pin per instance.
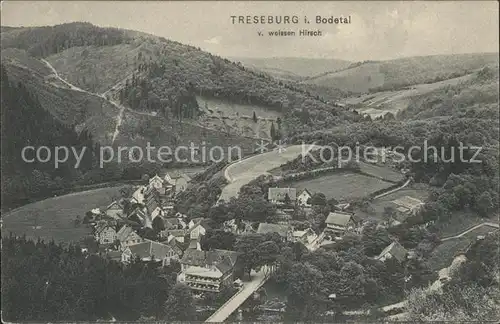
(150, 249)
(114, 255)
(205, 222)
(177, 233)
(101, 226)
(339, 219)
(203, 272)
(306, 191)
(396, 250)
(282, 230)
(279, 194)
(408, 202)
(172, 177)
(115, 205)
(124, 233)
(223, 260)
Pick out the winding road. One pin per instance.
(121, 108)
(242, 172)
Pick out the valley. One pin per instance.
(196, 240)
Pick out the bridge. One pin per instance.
(258, 279)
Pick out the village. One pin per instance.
(145, 227)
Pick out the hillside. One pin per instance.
(396, 74)
(293, 68)
(475, 91)
(163, 79)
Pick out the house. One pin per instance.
(394, 250)
(279, 195)
(208, 270)
(177, 235)
(303, 199)
(198, 228)
(138, 215)
(338, 223)
(285, 231)
(408, 205)
(104, 233)
(194, 244)
(178, 181)
(157, 183)
(305, 237)
(114, 210)
(138, 196)
(150, 251)
(127, 236)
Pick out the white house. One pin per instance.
(177, 181)
(104, 234)
(303, 198)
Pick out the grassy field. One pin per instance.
(54, 217)
(342, 185)
(383, 172)
(443, 254)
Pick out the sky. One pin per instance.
(378, 30)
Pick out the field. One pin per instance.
(53, 218)
(382, 172)
(342, 186)
(443, 254)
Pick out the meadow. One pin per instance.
(342, 186)
(53, 218)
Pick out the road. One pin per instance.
(393, 190)
(121, 108)
(495, 225)
(257, 280)
(246, 170)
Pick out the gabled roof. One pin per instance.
(124, 233)
(339, 219)
(223, 260)
(282, 230)
(115, 205)
(408, 202)
(149, 249)
(177, 233)
(279, 194)
(396, 250)
(201, 221)
(101, 226)
(156, 178)
(306, 191)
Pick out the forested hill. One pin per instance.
(26, 123)
(167, 75)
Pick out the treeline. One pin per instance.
(45, 41)
(48, 282)
(26, 123)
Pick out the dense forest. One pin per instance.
(48, 282)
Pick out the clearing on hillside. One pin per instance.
(53, 218)
(342, 186)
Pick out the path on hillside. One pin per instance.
(393, 190)
(495, 225)
(121, 108)
(258, 279)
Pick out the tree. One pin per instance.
(218, 239)
(318, 199)
(485, 204)
(180, 305)
(306, 295)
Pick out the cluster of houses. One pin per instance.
(339, 222)
(120, 229)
